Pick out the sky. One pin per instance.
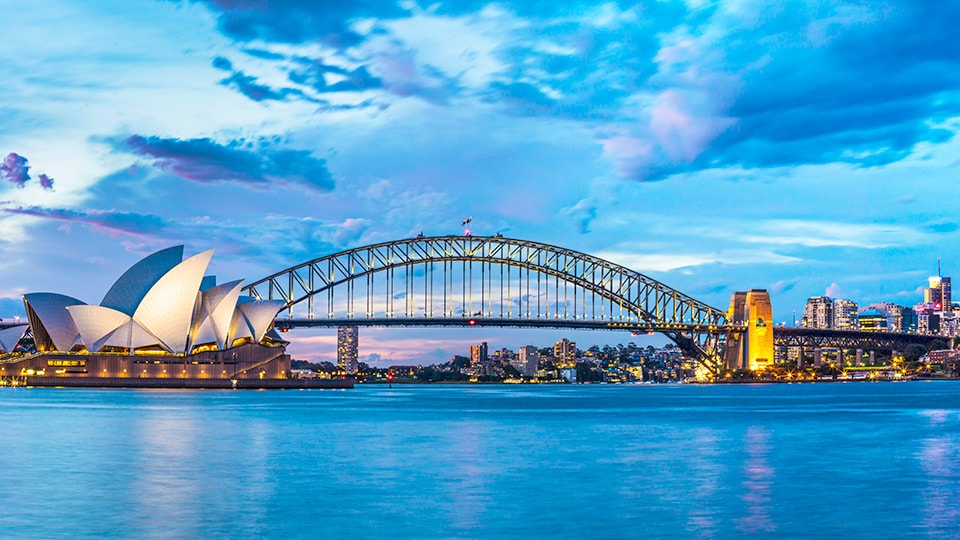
(807, 148)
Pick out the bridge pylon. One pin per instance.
(753, 349)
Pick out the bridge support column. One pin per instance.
(817, 360)
(859, 357)
(753, 308)
(800, 358)
(873, 359)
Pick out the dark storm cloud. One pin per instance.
(206, 161)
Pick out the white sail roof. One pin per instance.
(97, 325)
(167, 308)
(215, 313)
(128, 291)
(9, 337)
(258, 316)
(52, 319)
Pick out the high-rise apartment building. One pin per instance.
(565, 352)
(478, 354)
(938, 293)
(528, 359)
(347, 348)
(818, 312)
(845, 314)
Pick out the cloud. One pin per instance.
(943, 227)
(584, 212)
(109, 221)
(206, 161)
(294, 21)
(667, 88)
(46, 182)
(665, 262)
(834, 290)
(14, 169)
(782, 286)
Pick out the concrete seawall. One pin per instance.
(239, 384)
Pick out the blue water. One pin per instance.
(863, 460)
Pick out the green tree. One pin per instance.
(913, 352)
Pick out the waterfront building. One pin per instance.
(528, 360)
(162, 304)
(478, 354)
(163, 323)
(818, 313)
(845, 314)
(347, 348)
(565, 351)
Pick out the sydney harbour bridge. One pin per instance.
(505, 282)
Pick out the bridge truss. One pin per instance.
(811, 338)
(490, 281)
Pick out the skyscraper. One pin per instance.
(845, 314)
(818, 313)
(938, 293)
(478, 354)
(347, 348)
(528, 360)
(565, 352)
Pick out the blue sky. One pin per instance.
(806, 147)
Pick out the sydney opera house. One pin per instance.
(163, 323)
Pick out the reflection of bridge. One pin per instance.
(497, 281)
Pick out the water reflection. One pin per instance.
(940, 459)
(706, 473)
(163, 488)
(757, 479)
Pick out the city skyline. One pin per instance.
(809, 149)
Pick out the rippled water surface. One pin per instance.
(864, 460)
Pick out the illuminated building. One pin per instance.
(818, 313)
(900, 319)
(565, 351)
(872, 320)
(478, 354)
(162, 323)
(845, 314)
(528, 360)
(938, 293)
(347, 341)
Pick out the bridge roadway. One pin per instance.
(785, 336)
(633, 327)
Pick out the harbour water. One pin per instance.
(859, 460)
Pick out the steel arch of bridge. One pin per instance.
(629, 300)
